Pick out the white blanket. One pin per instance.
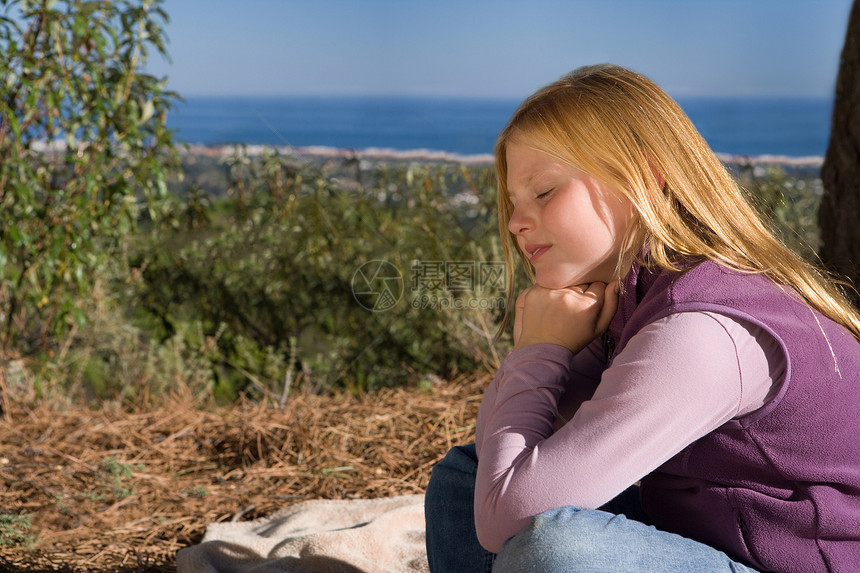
(323, 536)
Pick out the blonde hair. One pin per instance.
(621, 128)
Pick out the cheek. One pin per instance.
(584, 224)
(623, 220)
(617, 215)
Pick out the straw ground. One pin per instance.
(107, 489)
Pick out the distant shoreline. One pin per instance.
(429, 155)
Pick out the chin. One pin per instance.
(555, 281)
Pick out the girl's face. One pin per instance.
(570, 226)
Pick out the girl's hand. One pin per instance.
(571, 317)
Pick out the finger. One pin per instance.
(610, 306)
(596, 288)
(581, 288)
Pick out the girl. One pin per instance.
(669, 339)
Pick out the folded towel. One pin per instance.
(321, 536)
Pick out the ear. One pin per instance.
(661, 181)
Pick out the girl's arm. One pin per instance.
(676, 380)
(587, 367)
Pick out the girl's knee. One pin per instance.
(563, 539)
(461, 458)
(451, 489)
(457, 469)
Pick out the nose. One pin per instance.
(520, 221)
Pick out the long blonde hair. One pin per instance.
(621, 128)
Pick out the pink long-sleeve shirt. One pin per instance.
(555, 428)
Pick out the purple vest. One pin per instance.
(779, 488)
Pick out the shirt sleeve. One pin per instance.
(676, 380)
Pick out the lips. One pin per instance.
(535, 251)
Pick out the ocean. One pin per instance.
(754, 126)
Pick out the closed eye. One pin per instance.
(544, 195)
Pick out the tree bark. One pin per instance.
(839, 214)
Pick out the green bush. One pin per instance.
(83, 142)
(789, 201)
(274, 280)
(264, 291)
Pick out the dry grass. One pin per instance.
(114, 490)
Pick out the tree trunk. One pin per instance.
(839, 215)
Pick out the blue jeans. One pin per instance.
(615, 538)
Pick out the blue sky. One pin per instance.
(499, 48)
